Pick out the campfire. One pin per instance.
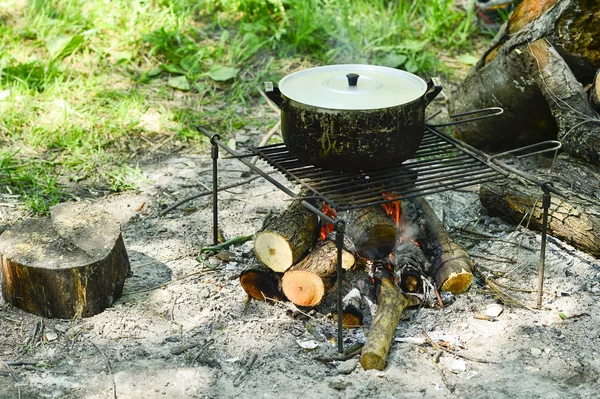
(400, 243)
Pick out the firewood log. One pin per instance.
(409, 265)
(286, 238)
(391, 304)
(575, 219)
(535, 69)
(260, 283)
(373, 233)
(72, 264)
(595, 92)
(307, 282)
(451, 266)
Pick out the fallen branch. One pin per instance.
(205, 193)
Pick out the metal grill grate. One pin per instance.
(441, 163)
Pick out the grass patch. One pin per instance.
(86, 88)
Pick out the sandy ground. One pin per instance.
(137, 348)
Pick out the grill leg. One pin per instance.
(215, 156)
(340, 229)
(546, 207)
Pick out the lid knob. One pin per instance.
(352, 79)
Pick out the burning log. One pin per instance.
(536, 69)
(409, 265)
(307, 282)
(391, 304)
(352, 315)
(73, 264)
(286, 238)
(373, 233)
(260, 283)
(451, 266)
(575, 219)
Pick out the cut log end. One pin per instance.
(303, 288)
(458, 282)
(261, 284)
(274, 251)
(372, 361)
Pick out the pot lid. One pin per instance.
(352, 86)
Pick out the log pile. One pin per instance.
(543, 69)
(397, 260)
(537, 69)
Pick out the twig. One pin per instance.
(14, 377)
(169, 282)
(505, 298)
(267, 137)
(438, 347)
(506, 260)
(349, 353)
(516, 289)
(242, 374)
(206, 345)
(112, 377)
(435, 359)
(205, 193)
(268, 100)
(181, 349)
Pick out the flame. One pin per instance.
(327, 227)
(392, 208)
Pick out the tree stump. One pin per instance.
(71, 264)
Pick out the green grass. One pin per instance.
(86, 87)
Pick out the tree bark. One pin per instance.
(260, 283)
(451, 267)
(286, 238)
(373, 233)
(307, 282)
(595, 92)
(391, 304)
(73, 264)
(535, 70)
(575, 219)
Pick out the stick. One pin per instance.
(205, 193)
(268, 100)
(14, 377)
(112, 377)
(242, 374)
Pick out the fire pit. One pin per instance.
(441, 163)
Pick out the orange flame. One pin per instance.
(328, 227)
(392, 208)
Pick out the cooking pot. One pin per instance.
(353, 117)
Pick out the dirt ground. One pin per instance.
(140, 347)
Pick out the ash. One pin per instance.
(195, 338)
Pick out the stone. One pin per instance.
(347, 366)
(493, 310)
(536, 351)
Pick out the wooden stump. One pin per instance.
(307, 282)
(286, 238)
(72, 264)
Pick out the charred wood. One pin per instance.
(260, 283)
(451, 267)
(373, 233)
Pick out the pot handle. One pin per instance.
(274, 94)
(434, 86)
